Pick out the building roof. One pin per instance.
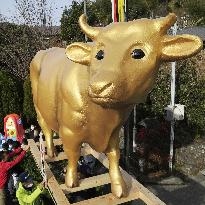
(198, 31)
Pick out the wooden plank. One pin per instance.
(53, 185)
(110, 199)
(88, 183)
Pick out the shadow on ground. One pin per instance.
(190, 192)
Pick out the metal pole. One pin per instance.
(134, 130)
(85, 12)
(174, 30)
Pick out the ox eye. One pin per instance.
(138, 54)
(100, 55)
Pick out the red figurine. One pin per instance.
(13, 128)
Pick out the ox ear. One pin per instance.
(180, 47)
(79, 53)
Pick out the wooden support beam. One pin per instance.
(53, 185)
(88, 183)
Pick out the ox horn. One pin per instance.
(91, 32)
(163, 24)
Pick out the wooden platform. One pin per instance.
(136, 190)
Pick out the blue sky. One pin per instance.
(8, 9)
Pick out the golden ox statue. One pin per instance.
(87, 91)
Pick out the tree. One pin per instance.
(160, 95)
(28, 106)
(11, 95)
(18, 45)
(103, 12)
(147, 8)
(70, 31)
(99, 14)
(33, 12)
(190, 12)
(195, 9)
(191, 92)
(190, 80)
(2, 18)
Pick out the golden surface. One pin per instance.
(88, 99)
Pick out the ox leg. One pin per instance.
(71, 178)
(48, 134)
(118, 185)
(71, 145)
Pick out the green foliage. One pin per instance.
(30, 166)
(144, 8)
(160, 95)
(190, 81)
(195, 8)
(28, 106)
(70, 30)
(158, 98)
(137, 9)
(11, 95)
(18, 45)
(103, 12)
(191, 90)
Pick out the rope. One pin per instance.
(43, 162)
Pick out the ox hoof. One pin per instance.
(71, 179)
(119, 190)
(72, 183)
(51, 153)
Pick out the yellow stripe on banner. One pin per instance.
(121, 10)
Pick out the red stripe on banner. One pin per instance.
(115, 10)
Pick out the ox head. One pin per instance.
(123, 60)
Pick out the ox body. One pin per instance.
(87, 91)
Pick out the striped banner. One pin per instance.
(119, 9)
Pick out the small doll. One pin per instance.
(13, 128)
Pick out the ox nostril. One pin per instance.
(100, 87)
